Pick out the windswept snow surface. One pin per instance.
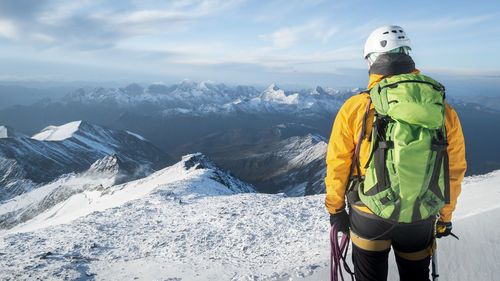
(174, 232)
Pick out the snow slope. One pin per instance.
(72, 147)
(169, 233)
(58, 133)
(103, 173)
(194, 176)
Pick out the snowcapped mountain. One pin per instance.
(184, 95)
(75, 195)
(284, 158)
(307, 168)
(8, 132)
(199, 99)
(103, 173)
(72, 147)
(298, 163)
(180, 224)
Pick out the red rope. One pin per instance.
(339, 254)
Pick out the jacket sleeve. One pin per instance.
(457, 163)
(338, 159)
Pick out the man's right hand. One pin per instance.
(443, 229)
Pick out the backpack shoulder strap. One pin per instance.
(362, 136)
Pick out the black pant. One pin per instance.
(404, 237)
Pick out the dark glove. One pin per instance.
(443, 229)
(341, 220)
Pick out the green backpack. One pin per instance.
(407, 176)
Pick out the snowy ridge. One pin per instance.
(78, 195)
(164, 234)
(8, 132)
(308, 167)
(102, 174)
(58, 133)
(68, 148)
(199, 99)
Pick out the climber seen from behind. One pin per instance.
(397, 154)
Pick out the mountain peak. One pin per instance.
(8, 132)
(108, 164)
(134, 89)
(112, 165)
(58, 133)
(273, 87)
(320, 91)
(199, 160)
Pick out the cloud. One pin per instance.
(20, 10)
(463, 71)
(147, 16)
(442, 24)
(8, 30)
(287, 37)
(89, 24)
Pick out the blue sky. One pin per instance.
(290, 42)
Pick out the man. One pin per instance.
(387, 53)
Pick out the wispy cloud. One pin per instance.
(444, 23)
(287, 37)
(8, 30)
(92, 23)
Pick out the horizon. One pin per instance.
(237, 42)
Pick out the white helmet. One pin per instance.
(386, 38)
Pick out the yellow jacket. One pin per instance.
(345, 134)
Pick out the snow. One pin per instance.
(208, 98)
(58, 133)
(4, 132)
(136, 135)
(276, 95)
(179, 224)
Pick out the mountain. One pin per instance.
(8, 132)
(11, 95)
(179, 224)
(181, 97)
(481, 137)
(72, 147)
(75, 195)
(102, 174)
(172, 117)
(206, 98)
(284, 158)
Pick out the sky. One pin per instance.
(288, 42)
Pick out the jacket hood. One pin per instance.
(392, 64)
(376, 78)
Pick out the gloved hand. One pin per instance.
(341, 219)
(443, 229)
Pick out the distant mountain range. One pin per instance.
(205, 98)
(258, 135)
